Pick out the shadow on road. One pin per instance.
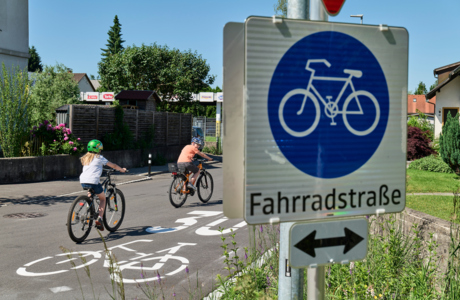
(200, 204)
(40, 200)
(136, 231)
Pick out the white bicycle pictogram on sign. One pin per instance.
(330, 107)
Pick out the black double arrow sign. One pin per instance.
(308, 244)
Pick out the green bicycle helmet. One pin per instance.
(95, 146)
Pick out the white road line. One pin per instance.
(60, 289)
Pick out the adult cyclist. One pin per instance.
(186, 158)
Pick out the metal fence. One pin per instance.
(208, 125)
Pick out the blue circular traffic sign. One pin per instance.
(328, 104)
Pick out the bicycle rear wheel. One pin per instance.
(176, 197)
(80, 219)
(205, 187)
(114, 210)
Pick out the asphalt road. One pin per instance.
(155, 239)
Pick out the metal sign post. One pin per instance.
(292, 287)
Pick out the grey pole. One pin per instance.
(290, 281)
(316, 276)
(290, 288)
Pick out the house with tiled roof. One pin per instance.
(419, 103)
(447, 94)
(142, 100)
(84, 83)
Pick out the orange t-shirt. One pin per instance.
(187, 154)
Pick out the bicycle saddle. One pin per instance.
(354, 73)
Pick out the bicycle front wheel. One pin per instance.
(205, 187)
(114, 210)
(80, 219)
(299, 120)
(176, 196)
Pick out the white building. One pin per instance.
(14, 33)
(447, 94)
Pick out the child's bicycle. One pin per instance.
(179, 191)
(84, 210)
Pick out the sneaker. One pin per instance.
(99, 224)
(191, 186)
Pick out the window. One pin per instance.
(448, 110)
(415, 99)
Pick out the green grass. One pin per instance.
(210, 139)
(431, 182)
(436, 206)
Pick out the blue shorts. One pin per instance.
(96, 187)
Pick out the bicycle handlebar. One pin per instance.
(324, 61)
(200, 159)
(112, 170)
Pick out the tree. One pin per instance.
(421, 121)
(433, 86)
(171, 73)
(35, 64)
(53, 88)
(449, 143)
(114, 43)
(14, 110)
(421, 89)
(217, 89)
(281, 6)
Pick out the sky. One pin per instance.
(73, 32)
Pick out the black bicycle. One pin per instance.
(178, 191)
(84, 210)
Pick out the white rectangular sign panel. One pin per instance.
(206, 97)
(325, 120)
(220, 97)
(92, 96)
(320, 243)
(107, 96)
(233, 122)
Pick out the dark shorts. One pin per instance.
(188, 166)
(96, 187)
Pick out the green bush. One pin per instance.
(421, 121)
(449, 142)
(159, 160)
(431, 163)
(122, 137)
(212, 150)
(14, 110)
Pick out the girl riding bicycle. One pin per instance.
(186, 156)
(92, 163)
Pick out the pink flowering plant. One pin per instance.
(56, 139)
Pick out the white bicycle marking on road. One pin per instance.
(207, 231)
(186, 221)
(23, 272)
(136, 262)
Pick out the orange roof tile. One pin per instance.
(420, 104)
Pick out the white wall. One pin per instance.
(85, 86)
(449, 96)
(14, 34)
